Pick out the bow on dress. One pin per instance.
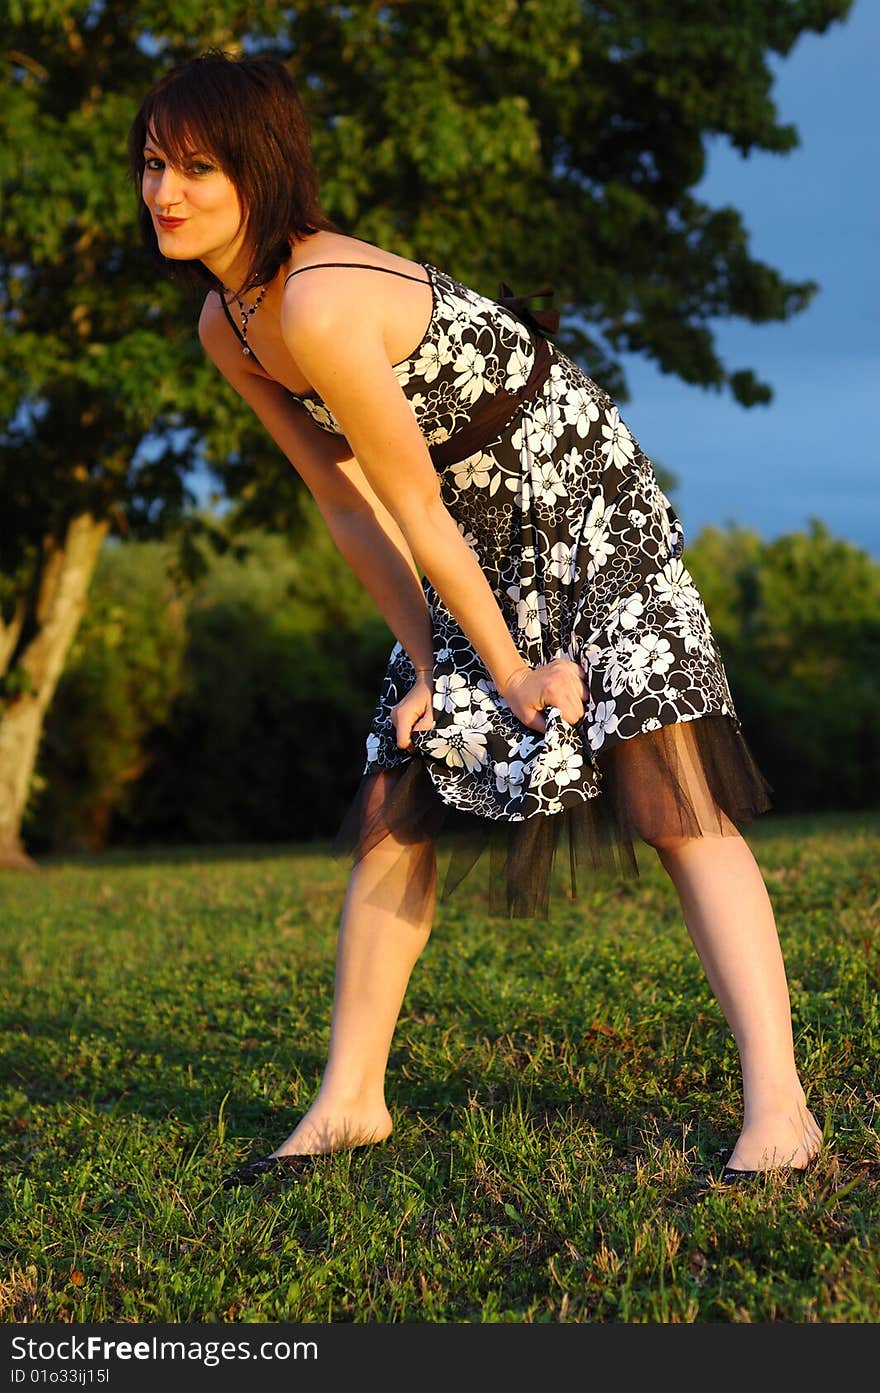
(543, 322)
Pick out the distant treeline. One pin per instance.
(236, 710)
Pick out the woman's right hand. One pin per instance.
(559, 683)
(415, 711)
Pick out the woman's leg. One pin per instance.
(730, 920)
(386, 922)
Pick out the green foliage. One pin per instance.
(561, 1094)
(268, 734)
(123, 675)
(237, 707)
(256, 725)
(798, 624)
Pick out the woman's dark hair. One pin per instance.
(247, 115)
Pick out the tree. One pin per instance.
(124, 672)
(469, 134)
(798, 623)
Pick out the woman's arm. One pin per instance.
(362, 528)
(340, 348)
(342, 353)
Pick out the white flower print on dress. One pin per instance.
(517, 369)
(476, 470)
(627, 614)
(691, 625)
(580, 411)
(322, 415)
(481, 698)
(521, 488)
(604, 723)
(524, 746)
(531, 611)
(527, 558)
(457, 318)
(596, 532)
(658, 654)
(452, 692)
(619, 446)
(675, 583)
(626, 666)
(563, 562)
(537, 433)
(471, 381)
(548, 486)
(556, 766)
(431, 358)
(573, 460)
(462, 745)
(509, 777)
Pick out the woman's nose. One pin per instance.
(167, 192)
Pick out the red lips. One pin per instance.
(170, 222)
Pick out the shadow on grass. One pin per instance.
(247, 1081)
(185, 854)
(768, 826)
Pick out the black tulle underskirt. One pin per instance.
(686, 779)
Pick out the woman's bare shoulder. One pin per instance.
(211, 319)
(337, 252)
(333, 288)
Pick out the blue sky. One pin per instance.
(812, 214)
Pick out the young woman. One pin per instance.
(555, 678)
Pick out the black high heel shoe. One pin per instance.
(283, 1167)
(251, 1171)
(731, 1176)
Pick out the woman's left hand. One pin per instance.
(415, 711)
(560, 683)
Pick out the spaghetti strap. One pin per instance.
(360, 265)
(235, 328)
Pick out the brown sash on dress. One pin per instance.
(496, 412)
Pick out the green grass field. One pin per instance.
(563, 1093)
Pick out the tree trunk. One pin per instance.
(66, 571)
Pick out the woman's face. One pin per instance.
(195, 208)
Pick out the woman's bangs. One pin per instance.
(180, 130)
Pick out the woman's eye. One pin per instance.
(154, 165)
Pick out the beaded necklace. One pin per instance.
(246, 313)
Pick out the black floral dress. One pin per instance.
(583, 552)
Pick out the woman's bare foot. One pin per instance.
(783, 1137)
(325, 1129)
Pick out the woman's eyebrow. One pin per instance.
(189, 155)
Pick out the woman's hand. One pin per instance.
(559, 683)
(415, 711)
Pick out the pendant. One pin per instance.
(245, 350)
